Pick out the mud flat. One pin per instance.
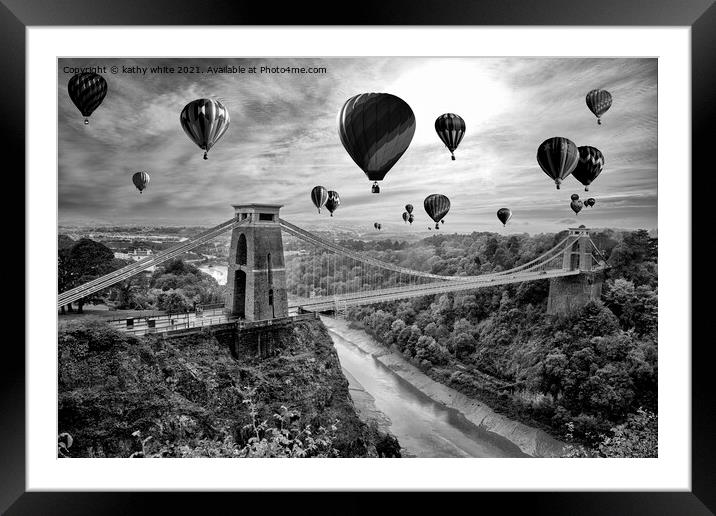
(531, 441)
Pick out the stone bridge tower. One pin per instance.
(256, 276)
(570, 293)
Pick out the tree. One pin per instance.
(83, 262)
(634, 259)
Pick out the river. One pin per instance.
(424, 427)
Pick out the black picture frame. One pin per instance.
(699, 15)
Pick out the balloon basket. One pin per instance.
(86, 121)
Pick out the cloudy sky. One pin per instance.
(283, 140)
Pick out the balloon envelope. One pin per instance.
(406, 216)
(574, 197)
(409, 208)
(376, 129)
(576, 206)
(557, 157)
(589, 166)
(436, 206)
(140, 180)
(319, 196)
(87, 91)
(590, 202)
(504, 214)
(451, 129)
(598, 102)
(411, 218)
(204, 121)
(333, 201)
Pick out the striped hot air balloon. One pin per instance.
(591, 162)
(87, 91)
(140, 180)
(333, 201)
(376, 130)
(319, 196)
(598, 102)
(451, 129)
(436, 206)
(204, 121)
(558, 157)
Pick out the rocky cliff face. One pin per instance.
(121, 395)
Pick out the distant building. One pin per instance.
(136, 255)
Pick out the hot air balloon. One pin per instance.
(409, 208)
(204, 121)
(598, 102)
(87, 90)
(558, 157)
(140, 180)
(411, 218)
(589, 166)
(333, 201)
(576, 206)
(319, 195)
(450, 128)
(504, 214)
(590, 202)
(376, 129)
(574, 196)
(436, 206)
(380, 226)
(375, 225)
(406, 216)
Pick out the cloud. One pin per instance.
(283, 140)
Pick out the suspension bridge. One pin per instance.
(265, 284)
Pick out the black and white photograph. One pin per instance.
(357, 257)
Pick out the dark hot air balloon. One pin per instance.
(319, 195)
(87, 90)
(589, 166)
(558, 157)
(590, 202)
(376, 129)
(451, 129)
(436, 206)
(598, 102)
(204, 121)
(411, 218)
(375, 225)
(140, 180)
(406, 216)
(574, 196)
(576, 206)
(504, 214)
(409, 208)
(333, 201)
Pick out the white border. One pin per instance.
(670, 471)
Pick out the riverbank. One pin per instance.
(531, 441)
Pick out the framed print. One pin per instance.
(415, 250)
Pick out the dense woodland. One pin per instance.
(589, 378)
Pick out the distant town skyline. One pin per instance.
(283, 140)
